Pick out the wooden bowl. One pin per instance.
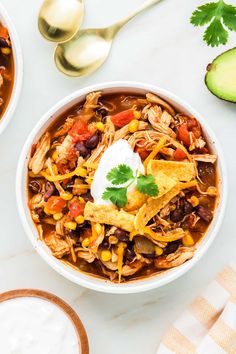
(70, 313)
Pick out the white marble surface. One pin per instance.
(159, 47)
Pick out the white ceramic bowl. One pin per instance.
(77, 276)
(18, 69)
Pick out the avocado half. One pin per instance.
(221, 76)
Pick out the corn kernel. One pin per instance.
(79, 219)
(172, 207)
(158, 250)
(71, 225)
(137, 114)
(194, 201)
(86, 242)
(82, 172)
(106, 255)
(133, 126)
(6, 51)
(81, 200)
(188, 240)
(98, 228)
(212, 191)
(113, 240)
(55, 155)
(191, 147)
(66, 196)
(100, 126)
(57, 216)
(88, 180)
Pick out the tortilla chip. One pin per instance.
(164, 183)
(180, 171)
(110, 215)
(153, 206)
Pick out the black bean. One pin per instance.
(83, 150)
(129, 254)
(104, 244)
(74, 235)
(83, 226)
(172, 247)
(50, 189)
(204, 213)
(87, 197)
(122, 235)
(3, 43)
(188, 208)
(35, 186)
(102, 112)
(40, 212)
(69, 186)
(92, 142)
(65, 210)
(177, 214)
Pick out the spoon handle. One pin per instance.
(117, 26)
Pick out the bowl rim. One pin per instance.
(18, 69)
(67, 310)
(91, 282)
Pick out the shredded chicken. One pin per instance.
(123, 132)
(157, 100)
(205, 158)
(59, 246)
(36, 201)
(65, 127)
(132, 268)
(159, 120)
(37, 161)
(175, 259)
(64, 149)
(86, 254)
(90, 105)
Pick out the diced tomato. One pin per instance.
(80, 132)
(183, 134)
(141, 150)
(194, 127)
(3, 32)
(179, 155)
(122, 118)
(55, 204)
(76, 209)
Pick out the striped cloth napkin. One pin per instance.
(208, 326)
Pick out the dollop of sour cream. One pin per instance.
(118, 153)
(30, 325)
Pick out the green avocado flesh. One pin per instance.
(221, 76)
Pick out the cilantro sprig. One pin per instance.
(220, 16)
(123, 174)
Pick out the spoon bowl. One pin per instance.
(89, 48)
(59, 20)
(84, 53)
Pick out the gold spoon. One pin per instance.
(89, 48)
(59, 20)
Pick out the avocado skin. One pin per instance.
(219, 95)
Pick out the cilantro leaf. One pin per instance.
(215, 34)
(220, 17)
(116, 195)
(147, 185)
(203, 14)
(229, 17)
(120, 174)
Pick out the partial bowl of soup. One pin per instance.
(120, 187)
(11, 69)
